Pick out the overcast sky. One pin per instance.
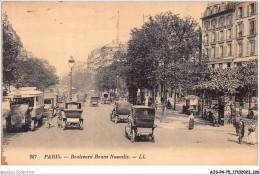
(57, 30)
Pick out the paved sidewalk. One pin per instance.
(175, 120)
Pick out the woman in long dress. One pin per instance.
(191, 121)
(251, 139)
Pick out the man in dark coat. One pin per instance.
(240, 130)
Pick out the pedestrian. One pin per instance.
(251, 134)
(49, 117)
(215, 120)
(238, 118)
(59, 118)
(150, 101)
(241, 130)
(191, 121)
(250, 114)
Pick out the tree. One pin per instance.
(158, 48)
(11, 49)
(38, 73)
(248, 77)
(111, 77)
(18, 69)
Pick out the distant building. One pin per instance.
(104, 56)
(229, 33)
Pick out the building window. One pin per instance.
(252, 9)
(252, 48)
(221, 65)
(228, 64)
(229, 33)
(207, 38)
(229, 49)
(229, 19)
(221, 21)
(213, 37)
(207, 52)
(240, 30)
(206, 25)
(221, 35)
(240, 12)
(213, 52)
(221, 51)
(213, 65)
(239, 64)
(252, 27)
(213, 23)
(240, 49)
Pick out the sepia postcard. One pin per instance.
(129, 83)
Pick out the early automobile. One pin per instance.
(81, 98)
(50, 103)
(121, 111)
(94, 101)
(105, 98)
(26, 109)
(141, 123)
(72, 115)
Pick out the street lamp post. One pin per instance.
(71, 63)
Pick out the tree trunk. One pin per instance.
(174, 105)
(249, 100)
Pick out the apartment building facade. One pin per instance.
(103, 56)
(230, 33)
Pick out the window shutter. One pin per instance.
(248, 10)
(254, 27)
(255, 8)
(225, 51)
(242, 12)
(248, 48)
(209, 53)
(242, 49)
(235, 51)
(242, 29)
(231, 33)
(216, 53)
(236, 31)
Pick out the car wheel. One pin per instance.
(81, 126)
(133, 136)
(152, 139)
(32, 125)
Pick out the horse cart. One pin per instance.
(72, 115)
(141, 124)
(121, 111)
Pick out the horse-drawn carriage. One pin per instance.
(141, 123)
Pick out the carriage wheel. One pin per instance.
(133, 136)
(32, 124)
